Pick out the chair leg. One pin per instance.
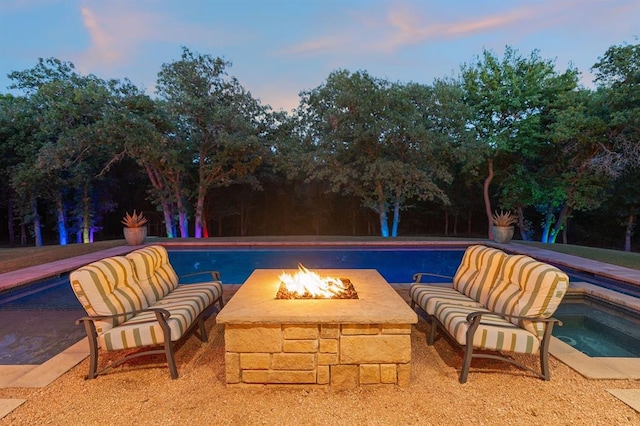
(168, 345)
(171, 360)
(466, 363)
(93, 349)
(544, 352)
(221, 302)
(203, 330)
(432, 331)
(468, 349)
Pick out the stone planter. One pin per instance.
(502, 234)
(135, 236)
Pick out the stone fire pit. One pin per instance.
(337, 342)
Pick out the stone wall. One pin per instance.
(339, 355)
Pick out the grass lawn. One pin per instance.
(15, 258)
(22, 257)
(614, 257)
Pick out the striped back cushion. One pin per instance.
(528, 288)
(478, 271)
(154, 272)
(108, 287)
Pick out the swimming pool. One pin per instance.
(52, 302)
(597, 328)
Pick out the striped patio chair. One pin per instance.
(136, 302)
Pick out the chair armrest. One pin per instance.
(214, 274)
(417, 277)
(161, 315)
(479, 314)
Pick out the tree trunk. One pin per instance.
(384, 226)
(183, 223)
(546, 227)
(199, 212)
(12, 233)
(37, 229)
(23, 234)
(629, 229)
(183, 218)
(382, 211)
(455, 223)
(524, 231)
(86, 215)
(244, 219)
(396, 217)
(205, 230)
(446, 222)
(485, 194)
(562, 220)
(62, 226)
(168, 217)
(156, 181)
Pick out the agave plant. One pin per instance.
(134, 221)
(504, 218)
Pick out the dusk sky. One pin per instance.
(279, 48)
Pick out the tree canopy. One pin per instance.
(202, 156)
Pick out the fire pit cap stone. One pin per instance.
(378, 302)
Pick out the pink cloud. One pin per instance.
(320, 45)
(406, 23)
(407, 28)
(400, 25)
(119, 32)
(105, 48)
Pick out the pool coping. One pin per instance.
(591, 368)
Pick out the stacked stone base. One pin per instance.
(337, 355)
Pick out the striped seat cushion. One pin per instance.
(428, 296)
(185, 304)
(478, 271)
(108, 287)
(154, 272)
(493, 333)
(529, 288)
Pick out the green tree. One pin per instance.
(144, 127)
(72, 144)
(370, 138)
(509, 97)
(13, 130)
(569, 179)
(618, 78)
(448, 114)
(218, 122)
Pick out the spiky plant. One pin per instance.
(134, 221)
(504, 218)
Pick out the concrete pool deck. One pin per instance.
(36, 376)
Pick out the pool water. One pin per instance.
(38, 321)
(395, 265)
(597, 329)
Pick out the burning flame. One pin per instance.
(305, 281)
